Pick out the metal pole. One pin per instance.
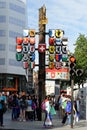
(41, 73)
(72, 85)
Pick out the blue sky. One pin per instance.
(68, 15)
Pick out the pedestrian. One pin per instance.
(1, 109)
(68, 110)
(48, 120)
(23, 106)
(14, 107)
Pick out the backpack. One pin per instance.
(68, 107)
(43, 105)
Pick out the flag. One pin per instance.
(25, 48)
(51, 49)
(19, 40)
(51, 57)
(51, 40)
(64, 41)
(51, 33)
(25, 40)
(32, 33)
(18, 48)
(25, 33)
(19, 56)
(32, 48)
(32, 65)
(64, 57)
(58, 49)
(32, 57)
(58, 41)
(32, 40)
(64, 49)
(58, 57)
(59, 33)
(25, 64)
(58, 65)
(51, 65)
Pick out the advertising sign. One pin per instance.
(62, 73)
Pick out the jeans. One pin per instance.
(14, 113)
(69, 119)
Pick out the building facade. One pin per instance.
(13, 19)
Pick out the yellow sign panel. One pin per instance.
(44, 21)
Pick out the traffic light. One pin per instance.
(79, 72)
(72, 60)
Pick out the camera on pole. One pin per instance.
(72, 60)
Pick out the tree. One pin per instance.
(81, 56)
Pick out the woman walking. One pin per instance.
(48, 120)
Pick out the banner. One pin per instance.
(62, 73)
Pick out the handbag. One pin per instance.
(52, 111)
(48, 121)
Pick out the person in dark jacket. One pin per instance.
(14, 107)
(1, 109)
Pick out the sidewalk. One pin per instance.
(38, 125)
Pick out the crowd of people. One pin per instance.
(66, 107)
(26, 107)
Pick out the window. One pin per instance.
(2, 4)
(2, 19)
(12, 48)
(17, 22)
(2, 61)
(2, 47)
(17, 8)
(14, 34)
(2, 33)
(13, 62)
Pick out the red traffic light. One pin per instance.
(72, 59)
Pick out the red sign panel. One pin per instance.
(42, 48)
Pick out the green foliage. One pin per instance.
(81, 56)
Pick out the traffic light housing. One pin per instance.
(79, 72)
(72, 60)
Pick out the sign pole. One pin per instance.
(41, 73)
(72, 85)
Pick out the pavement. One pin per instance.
(38, 125)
